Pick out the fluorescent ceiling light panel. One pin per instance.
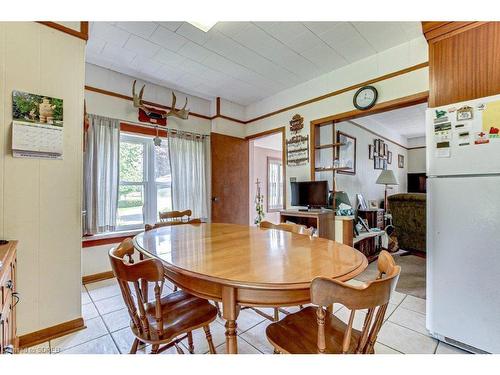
(203, 25)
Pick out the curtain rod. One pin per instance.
(160, 127)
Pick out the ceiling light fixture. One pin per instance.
(203, 25)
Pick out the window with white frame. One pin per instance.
(274, 184)
(145, 181)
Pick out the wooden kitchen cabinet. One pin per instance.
(8, 298)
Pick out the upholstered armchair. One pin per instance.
(409, 219)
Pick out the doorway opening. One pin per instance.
(267, 176)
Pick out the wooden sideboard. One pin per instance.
(322, 220)
(8, 298)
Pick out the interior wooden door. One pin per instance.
(230, 185)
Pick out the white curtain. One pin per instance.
(189, 167)
(101, 175)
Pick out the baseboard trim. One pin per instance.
(50, 333)
(97, 277)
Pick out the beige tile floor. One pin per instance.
(107, 329)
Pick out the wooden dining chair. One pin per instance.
(149, 227)
(171, 216)
(293, 228)
(314, 330)
(167, 320)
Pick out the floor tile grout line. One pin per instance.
(411, 329)
(390, 347)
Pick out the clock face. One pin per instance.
(365, 97)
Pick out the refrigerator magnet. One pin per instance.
(464, 113)
(481, 138)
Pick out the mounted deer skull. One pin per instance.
(155, 115)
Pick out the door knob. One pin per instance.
(215, 199)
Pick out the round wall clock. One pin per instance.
(365, 97)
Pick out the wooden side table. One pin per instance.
(375, 218)
(322, 220)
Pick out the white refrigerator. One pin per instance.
(463, 224)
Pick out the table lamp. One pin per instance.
(386, 178)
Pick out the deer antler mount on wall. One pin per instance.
(155, 115)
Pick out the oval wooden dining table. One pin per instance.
(247, 266)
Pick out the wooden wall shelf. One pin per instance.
(331, 145)
(331, 169)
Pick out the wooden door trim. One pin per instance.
(282, 130)
(82, 34)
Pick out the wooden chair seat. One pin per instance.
(182, 313)
(298, 333)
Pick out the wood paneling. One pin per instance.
(230, 179)
(464, 63)
(51, 333)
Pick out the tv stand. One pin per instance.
(322, 220)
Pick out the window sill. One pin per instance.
(108, 238)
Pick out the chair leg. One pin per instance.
(175, 288)
(276, 314)
(190, 342)
(209, 339)
(133, 350)
(179, 350)
(219, 312)
(154, 349)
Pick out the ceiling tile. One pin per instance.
(192, 33)
(95, 45)
(381, 35)
(245, 61)
(109, 33)
(320, 27)
(142, 47)
(347, 41)
(166, 56)
(142, 29)
(119, 54)
(171, 25)
(194, 51)
(325, 57)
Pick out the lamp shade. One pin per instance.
(387, 178)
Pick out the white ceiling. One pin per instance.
(408, 122)
(239, 61)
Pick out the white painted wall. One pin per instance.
(393, 88)
(416, 160)
(363, 182)
(41, 199)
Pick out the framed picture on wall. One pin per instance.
(389, 157)
(385, 149)
(347, 153)
(401, 161)
(370, 152)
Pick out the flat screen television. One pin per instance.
(310, 193)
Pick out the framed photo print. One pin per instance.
(385, 149)
(370, 152)
(389, 157)
(347, 153)
(401, 161)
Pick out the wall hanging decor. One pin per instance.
(37, 126)
(381, 154)
(297, 150)
(347, 153)
(156, 115)
(401, 161)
